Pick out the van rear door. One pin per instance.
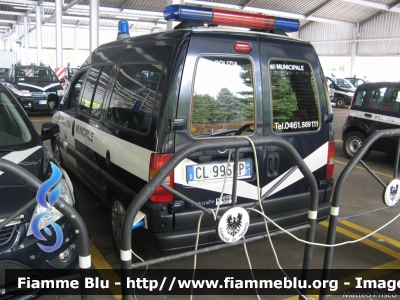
(294, 103)
(220, 97)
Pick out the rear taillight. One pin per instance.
(331, 160)
(156, 162)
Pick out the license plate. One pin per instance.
(42, 101)
(213, 171)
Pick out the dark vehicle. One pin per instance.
(3, 74)
(70, 73)
(22, 145)
(35, 87)
(137, 101)
(375, 106)
(356, 81)
(341, 91)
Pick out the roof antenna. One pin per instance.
(123, 30)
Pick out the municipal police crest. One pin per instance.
(233, 224)
(391, 194)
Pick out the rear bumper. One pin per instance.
(177, 241)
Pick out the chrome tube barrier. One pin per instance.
(337, 193)
(226, 143)
(33, 183)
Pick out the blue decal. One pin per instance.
(190, 173)
(47, 185)
(41, 199)
(249, 167)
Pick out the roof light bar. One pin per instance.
(229, 18)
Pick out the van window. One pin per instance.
(95, 89)
(223, 96)
(294, 97)
(70, 104)
(133, 96)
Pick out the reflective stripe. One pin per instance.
(85, 262)
(374, 117)
(314, 161)
(39, 87)
(334, 211)
(312, 214)
(125, 255)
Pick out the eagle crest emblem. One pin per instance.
(233, 224)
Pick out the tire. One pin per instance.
(352, 143)
(340, 102)
(117, 217)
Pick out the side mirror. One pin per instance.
(49, 131)
(62, 80)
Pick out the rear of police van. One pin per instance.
(234, 85)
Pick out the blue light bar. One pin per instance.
(188, 13)
(289, 25)
(229, 18)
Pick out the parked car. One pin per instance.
(375, 106)
(356, 81)
(19, 247)
(37, 88)
(137, 101)
(3, 74)
(341, 91)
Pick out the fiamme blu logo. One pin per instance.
(52, 189)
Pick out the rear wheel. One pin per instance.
(117, 217)
(340, 102)
(352, 143)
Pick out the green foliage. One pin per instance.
(206, 110)
(230, 105)
(284, 100)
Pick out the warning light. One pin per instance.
(229, 18)
(123, 30)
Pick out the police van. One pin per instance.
(341, 91)
(137, 101)
(36, 88)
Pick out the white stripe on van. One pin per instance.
(374, 117)
(314, 161)
(19, 156)
(126, 155)
(136, 160)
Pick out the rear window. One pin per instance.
(294, 98)
(385, 100)
(223, 97)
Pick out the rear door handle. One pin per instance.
(368, 115)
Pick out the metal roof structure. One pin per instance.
(145, 14)
(335, 27)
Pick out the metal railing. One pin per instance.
(226, 143)
(338, 189)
